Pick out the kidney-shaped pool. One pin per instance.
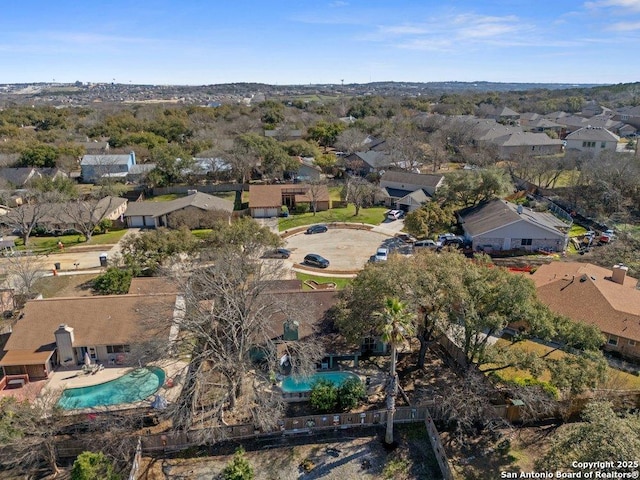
(130, 388)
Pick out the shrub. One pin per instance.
(324, 396)
(114, 281)
(350, 393)
(302, 208)
(104, 226)
(93, 466)
(238, 468)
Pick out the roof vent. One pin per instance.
(619, 273)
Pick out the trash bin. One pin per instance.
(103, 260)
(56, 265)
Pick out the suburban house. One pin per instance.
(286, 326)
(606, 298)
(21, 176)
(266, 201)
(499, 225)
(138, 172)
(408, 191)
(527, 142)
(503, 115)
(592, 139)
(209, 167)
(630, 115)
(96, 167)
(201, 206)
(513, 140)
(371, 161)
(62, 331)
(70, 215)
(307, 171)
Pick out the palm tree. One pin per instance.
(396, 325)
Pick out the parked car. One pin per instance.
(406, 238)
(455, 241)
(426, 244)
(277, 253)
(395, 214)
(607, 236)
(320, 228)
(381, 254)
(443, 236)
(316, 260)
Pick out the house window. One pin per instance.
(369, 344)
(118, 349)
(632, 343)
(613, 340)
(588, 144)
(526, 242)
(603, 144)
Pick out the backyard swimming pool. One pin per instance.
(132, 387)
(303, 384)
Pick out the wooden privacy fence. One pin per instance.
(168, 442)
(171, 442)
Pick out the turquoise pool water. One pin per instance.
(303, 384)
(132, 387)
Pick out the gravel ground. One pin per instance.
(343, 458)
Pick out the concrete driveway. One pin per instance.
(348, 250)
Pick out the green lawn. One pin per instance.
(334, 194)
(201, 233)
(50, 244)
(616, 379)
(373, 216)
(166, 198)
(339, 281)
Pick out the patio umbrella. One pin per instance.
(87, 359)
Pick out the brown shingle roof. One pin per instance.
(270, 196)
(102, 320)
(585, 293)
(265, 196)
(152, 286)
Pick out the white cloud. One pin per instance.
(629, 4)
(625, 26)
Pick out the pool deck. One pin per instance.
(66, 377)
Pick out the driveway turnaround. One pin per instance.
(347, 249)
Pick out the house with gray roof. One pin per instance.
(592, 139)
(499, 225)
(630, 115)
(371, 161)
(21, 176)
(201, 206)
(96, 167)
(408, 191)
(527, 142)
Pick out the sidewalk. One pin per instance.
(81, 259)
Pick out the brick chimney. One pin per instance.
(619, 273)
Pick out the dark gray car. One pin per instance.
(316, 260)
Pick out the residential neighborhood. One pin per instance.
(433, 288)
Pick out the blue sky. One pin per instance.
(197, 42)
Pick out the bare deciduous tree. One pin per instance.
(229, 330)
(36, 206)
(23, 269)
(85, 215)
(359, 192)
(315, 192)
